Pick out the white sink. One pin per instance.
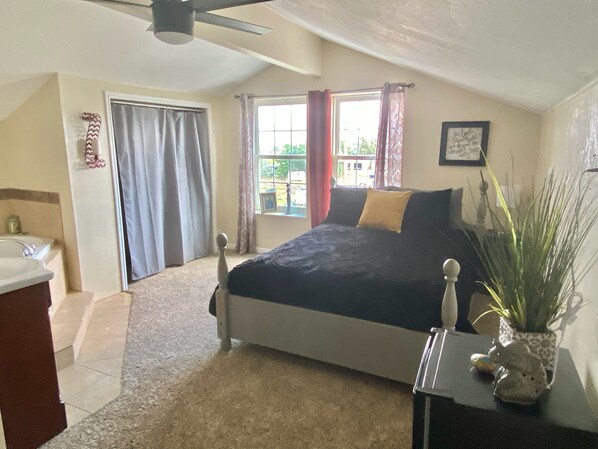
(21, 272)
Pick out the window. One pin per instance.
(356, 118)
(281, 156)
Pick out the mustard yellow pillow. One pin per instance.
(384, 210)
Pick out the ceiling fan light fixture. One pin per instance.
(173, 37)
(173, 25)
(173, 20)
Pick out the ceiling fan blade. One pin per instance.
(227, 22)
(120, 2)
(212, 5)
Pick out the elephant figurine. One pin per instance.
(522, 377)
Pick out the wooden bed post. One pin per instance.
(222, 294)
(450, 307)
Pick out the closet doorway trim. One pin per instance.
(142, 100)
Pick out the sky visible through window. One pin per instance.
(355, 144)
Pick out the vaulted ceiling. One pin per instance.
(533, 53)
(530, 53)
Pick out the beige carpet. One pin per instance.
(179, 391)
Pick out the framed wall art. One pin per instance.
(464, 143)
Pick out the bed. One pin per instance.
(365, 299)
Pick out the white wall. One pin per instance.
(93, 198)
(34, 159)
(4, 179)
(570, 142)
(41, 148)
(513, 132)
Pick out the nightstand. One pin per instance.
(454, 407)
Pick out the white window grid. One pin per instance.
(336, 156)
(294, 210)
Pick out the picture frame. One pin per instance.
(460, 143)
(268, 202)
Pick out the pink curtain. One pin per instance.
(319, 150)
(389, 152)
(246, 221)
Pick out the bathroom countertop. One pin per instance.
(21, 272)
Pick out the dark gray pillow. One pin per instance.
(346, 205)
(427, 211)
(455, 208)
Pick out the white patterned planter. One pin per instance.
(542, 344)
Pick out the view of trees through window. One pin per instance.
(281, 154)
(281, 146)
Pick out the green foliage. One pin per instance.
(364, 147)
(531, 253)
(281, 168)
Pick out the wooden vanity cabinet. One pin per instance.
(30, 405)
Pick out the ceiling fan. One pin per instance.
(173, 20)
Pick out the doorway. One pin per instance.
(162, 173)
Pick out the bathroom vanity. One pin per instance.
(30, 405)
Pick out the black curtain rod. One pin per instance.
(370, 89)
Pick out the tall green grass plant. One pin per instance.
(531, 252)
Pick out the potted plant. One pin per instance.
(531, 259)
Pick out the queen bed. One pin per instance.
(356, 297)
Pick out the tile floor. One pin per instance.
(94, 380)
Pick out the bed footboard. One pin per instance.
(366, 346)
(449, 310)
(222, 295)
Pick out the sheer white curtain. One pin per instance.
(164, 168)
(389, 151)
(246, 221)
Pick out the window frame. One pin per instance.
(374, 94)
(296, 211)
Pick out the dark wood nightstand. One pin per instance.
(454, 407)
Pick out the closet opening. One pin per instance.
(162, 173)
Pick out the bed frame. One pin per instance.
(380, 349)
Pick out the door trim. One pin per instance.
(151, 101)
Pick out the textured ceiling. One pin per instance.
(532, 53)
(38, 37)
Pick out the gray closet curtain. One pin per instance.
(164, 168)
